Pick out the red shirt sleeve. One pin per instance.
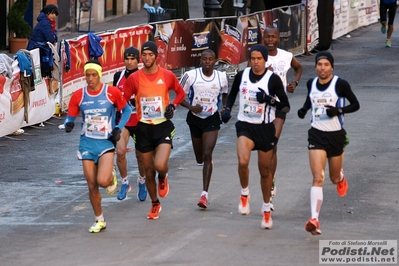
(74, 102)
(173, 84)
(130, 86)
(116, 96)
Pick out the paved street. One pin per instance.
(45, 211)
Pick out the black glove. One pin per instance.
(226, 116)
(115, 135)
(302, 112)
(170, 109)
(69, 126)
(262, 97)
(333, 111)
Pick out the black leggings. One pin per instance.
(387, 8)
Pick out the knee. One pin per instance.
(318, 180)
(120, 154)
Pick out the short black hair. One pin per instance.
(50, 9)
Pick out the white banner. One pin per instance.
(40, 103)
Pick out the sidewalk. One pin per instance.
(115, 22)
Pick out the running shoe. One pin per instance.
(313, 226)
(155, 210)
(163, 186)
(342, 186)
(142, 192)
(388, 43)
(125, 188)
(243, 206)
(203, 202)
(383, 29)
(271, 205)
(274, 190)
(112, 188)
(98, 226)
(267, 221)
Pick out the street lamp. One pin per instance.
(211, 8)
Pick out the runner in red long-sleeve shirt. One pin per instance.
(155, 131)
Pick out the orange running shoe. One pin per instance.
(203, 202)
(313, 226)
(342, 186)
(155, 210)
(163, 186)
(243, 206)
(267, 222)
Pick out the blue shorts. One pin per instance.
(92, 149)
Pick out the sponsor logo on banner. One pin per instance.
(231, 45)
(201, 41)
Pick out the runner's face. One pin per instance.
(271, 39)
(257, 62)
(131, 63)
(324, 69)
(208, 61)
(92, 78)
(148, 58)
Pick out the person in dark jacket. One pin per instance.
(45, 30)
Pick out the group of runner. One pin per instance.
(145, 113)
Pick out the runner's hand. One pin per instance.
(226, 116)
(69, 126)
(115, 135)
(302, 113)
(262, 97)
(332, 111)
(170, 110)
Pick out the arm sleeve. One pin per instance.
(176, 87)
(234, 90)
(307, 104)
(345, 90)
(277, 88)
(129, 88)
(116, 78)
(126, 112)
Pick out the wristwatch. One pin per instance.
(296, 82)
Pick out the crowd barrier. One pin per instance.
(180, 42)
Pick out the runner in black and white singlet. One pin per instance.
(280, 62)
(206, 89)
(327, 138)
(258, 90)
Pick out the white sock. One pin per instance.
(342, 175)
(204, 193)
(266, 207)
(125, 180)
(316, 199)
(141, 179)
(245, 191)
(100, 218)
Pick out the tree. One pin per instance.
(16, 21)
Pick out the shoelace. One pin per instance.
(154, 208)
(244, 200)
(162, 183)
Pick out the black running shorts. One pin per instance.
(263, 135)
(147, 137)
(198, 126)
(332, 142)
